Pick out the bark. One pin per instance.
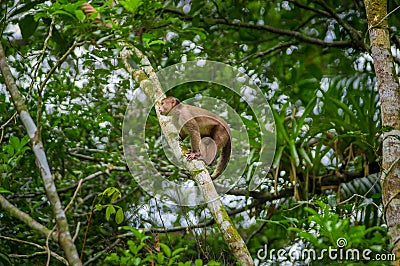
(390, 114)
(64, 236)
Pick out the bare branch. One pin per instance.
(318, 11)
(355, 35)
(58, 63)
(268, 51)
(55, 255)
(267, 28)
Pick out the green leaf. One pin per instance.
(119, 216)
(156, 42)
(293, 152)
(5, 191)
(131, 5)
(62, 12)
(109, 210)
(28, 26)
(14, 141)
(165, 249)
(160, 258)
(178, 250)
(80, 15)
(305, 156)
(278, 156)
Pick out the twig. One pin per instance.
(48, 247)
(36, 66)
(5, 124)
(87, 227)
(78, 226)
(74, 196)
(55, 255)
(267, 28)
(270, 50)
(354, 34)
(58, 63)
(99, 254)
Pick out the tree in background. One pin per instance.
(390, 113)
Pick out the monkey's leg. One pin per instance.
(223, 140)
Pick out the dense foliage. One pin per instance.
(310, 59)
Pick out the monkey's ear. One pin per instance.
(176, 101)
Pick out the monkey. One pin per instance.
(88, 9)
(208, 132)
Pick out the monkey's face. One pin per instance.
(166, 106)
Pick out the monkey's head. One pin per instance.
(168, 104)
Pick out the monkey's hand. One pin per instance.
(192, 155)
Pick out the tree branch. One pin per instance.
(45, 252)
(270, 50)
(267, 28)
(315, 10)
(26, 218)
(354, 34)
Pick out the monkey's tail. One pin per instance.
(225, 154)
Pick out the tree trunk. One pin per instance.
(390, 114)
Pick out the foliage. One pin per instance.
(139, 253)
(112, 193)
(304, 55)
(330, 227)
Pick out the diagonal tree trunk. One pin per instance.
(389, 91)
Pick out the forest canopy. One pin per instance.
(314, 124)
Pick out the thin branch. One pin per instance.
(84, 157)
(48, 251)
(58, 63)
(315, 10)
(8, 121)
(255, 232)
(99, 254)
(270, 50)
(87, 227)
(84, 180)
(78, 226)
(271, 29)
(2, 127)
(55, 255)
(391, 12)
(74, 196)
(43, 51)
(354, 34)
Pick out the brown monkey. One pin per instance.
(208, 132)
(88, 9)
